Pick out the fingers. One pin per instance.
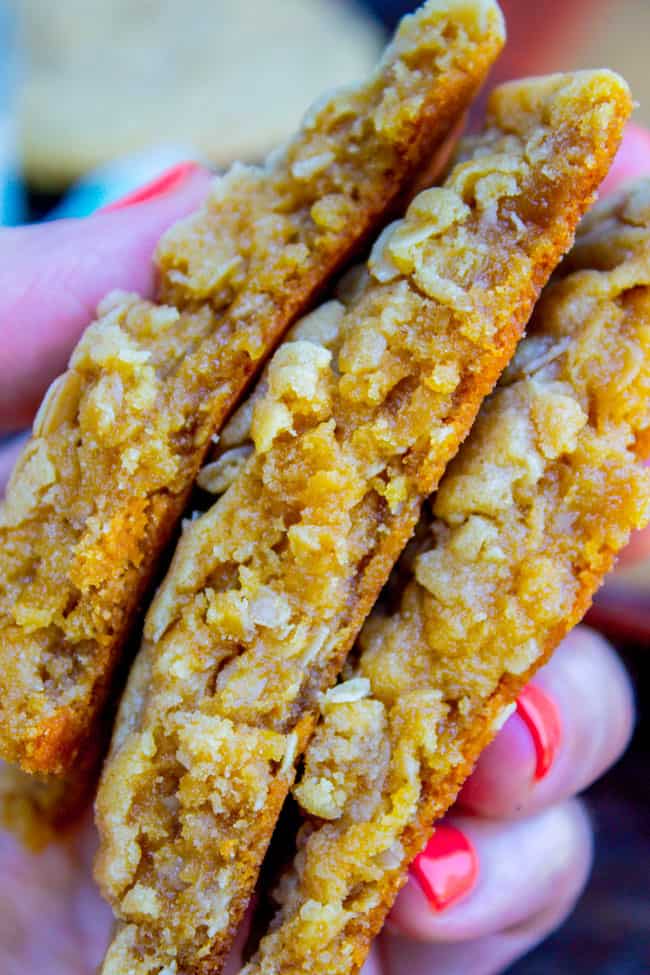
(637, 550)
(489, 886)
(631, 161)
(92, 917)
(9, 452)
(52, 919)
(526, 867)
(53, 275)
(373, 964)
(233, 962)
(622, 606)
(486, 955)
(588, 688)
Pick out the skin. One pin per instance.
(51, 277)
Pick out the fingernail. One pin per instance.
(170, 180)
(542, 718)
(447, 868)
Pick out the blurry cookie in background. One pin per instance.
(229, 77)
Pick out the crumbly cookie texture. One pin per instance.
(527, 520)
(121, 435)
(356, 419)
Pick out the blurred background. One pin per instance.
(97, 96)
(101, 95)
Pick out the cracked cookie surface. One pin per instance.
(117, 443)
(353, 424)
(527, 519)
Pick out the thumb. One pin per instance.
(53, 275)
(631, 161)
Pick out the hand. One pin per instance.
(527, 842)
(531, 839)
(52, 919)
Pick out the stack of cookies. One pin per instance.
(399, 429)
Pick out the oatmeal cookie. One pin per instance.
(527, 520)
(360, 413)
(118, 440)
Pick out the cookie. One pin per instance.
(527, 520)
(101, 486)
(360, 411)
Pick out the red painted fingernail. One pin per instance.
(171, 179)
(542, 718)
(447, 868)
